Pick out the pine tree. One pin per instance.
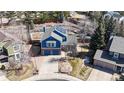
(109, 28)
(97, 40)
(121, 33)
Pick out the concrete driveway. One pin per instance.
(100, 74)
(53, 77)
(44, 64)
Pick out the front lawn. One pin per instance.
(25, 72)
(79, 70)
(76, 65)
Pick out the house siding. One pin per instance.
(50, 52)
(105, 65)
(121, 55)
(44, 44)
(45, 50)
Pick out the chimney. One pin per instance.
(44, 28)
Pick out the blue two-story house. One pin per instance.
(51, 41)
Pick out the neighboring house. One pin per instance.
(3, 51)
(4, 21)
(70, 45)
(15, 50)
(113, 58)
(121, 20)
(75, 15)
(36, 36)
(9, 48)
(2, 37)
(116, 16)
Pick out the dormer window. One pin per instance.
(116, 55)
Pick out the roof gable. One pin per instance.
(50, 32)
(2, 36)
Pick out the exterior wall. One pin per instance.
(121, 55)
(43, 43)
(111, 53)
(50, 52)
(105, 65)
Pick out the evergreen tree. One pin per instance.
(121, 33)
(97, 40)
(95, 15)
(109, 28)
(116, 27)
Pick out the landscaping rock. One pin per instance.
(65, 67)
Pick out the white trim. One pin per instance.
(16, 58)
(51, 44)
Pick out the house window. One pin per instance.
(16, 48)
(48, 44)
(116, 55)
(51, 44)
(17, 56)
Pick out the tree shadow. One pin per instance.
(35, 51)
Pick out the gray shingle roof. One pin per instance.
(61, 30)
(117, 45)
(2, 36)
(49, 32)
(8, 43)
(71, 40)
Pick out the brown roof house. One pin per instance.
(113, 57)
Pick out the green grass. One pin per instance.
(76, 65)
(78, 70)
(83, 70)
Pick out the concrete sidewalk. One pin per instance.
(54, 76)
(100, 75)
(3, 78)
